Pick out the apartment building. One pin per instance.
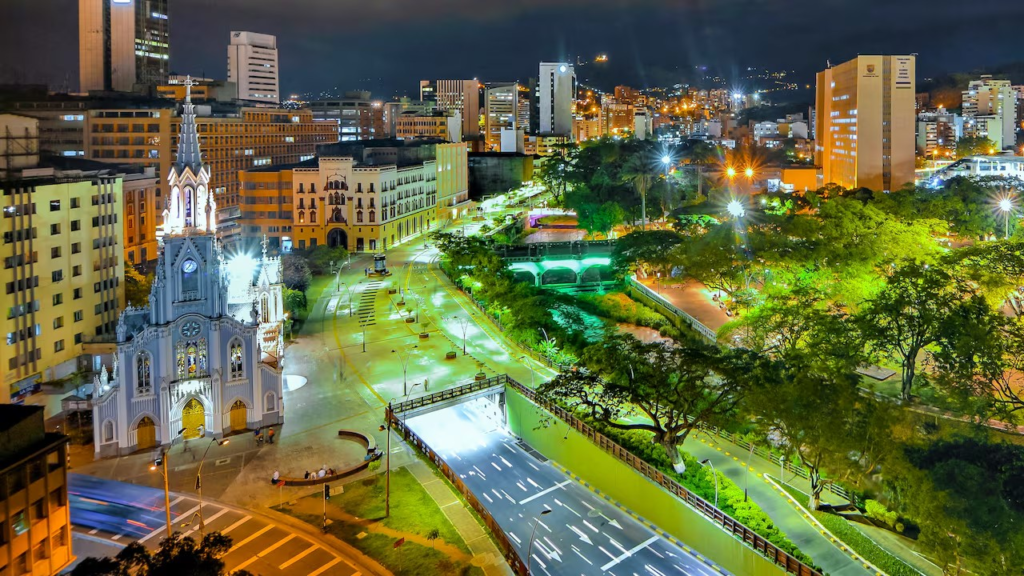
(990, 111)
(355, 116)
(35, 519)
(123, 45)
(252, 67)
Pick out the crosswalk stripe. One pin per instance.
(236, 525)
(163, 529)
(325, 566)
(297, 558)
(208, 520)
(266, 551)
(258, 533)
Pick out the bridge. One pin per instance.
(561, 264)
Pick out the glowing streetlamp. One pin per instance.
(730, 172)
(1006, 205)
(749, 172)
(735, 208)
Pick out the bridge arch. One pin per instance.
(559, 275)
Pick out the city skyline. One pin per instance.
(649, 43)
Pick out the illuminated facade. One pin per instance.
(123, 44)
(205, 355)
(865, 128)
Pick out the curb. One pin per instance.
(670, 538)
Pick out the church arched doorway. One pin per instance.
(337, 237)
(145, 433)
(239, 416)
(193, 419)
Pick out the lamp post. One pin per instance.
(667, 161)
(348, 291)
(708, 462)
(199, 481)
(1006, 205)
(405, 371)
(529, 549)
(164, 470)
(746, 481)
(387, 462)
(530, 366)
(464, 323)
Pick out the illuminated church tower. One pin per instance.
(192, 361)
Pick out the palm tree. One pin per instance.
(638, 171)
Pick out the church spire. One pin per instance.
(188, 137)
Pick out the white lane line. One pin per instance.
(208, 520)
(176, 501)
(266, 551)
(582, 556)
(630, 552)
(163, 529)
(299, 557)
(118, 537)
(323, 568)
(236, 525)
(543, 492)
(258, 533)
(93, 531)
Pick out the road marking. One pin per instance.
(258, 533)
(630, 552)
(236, 525)
(208, 520)
(543, 492)
(118, 537)
(299, 557)
(93, 531)
(163, 528)
(176, 501)
(323, 568)
(264, 553)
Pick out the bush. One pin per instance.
(876, 510)
(621, 308)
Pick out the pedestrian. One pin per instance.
(275, 477)
(270, 436)
(321, 473)
(330, 471)
(306, 477)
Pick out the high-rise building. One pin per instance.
(864, 134)
(124, 45)
(556, 93)
(501, 111)
(356, 117)
(63, 265)
(456, 96)
(392, 110)
(35, 519)
(990, 111)
(252, 66)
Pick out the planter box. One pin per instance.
(480, 376)
(424, 335)
(450, 355)
(392, 290)
(409, 319)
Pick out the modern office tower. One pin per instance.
(990, 111)
(864, 134)
(501, 111)
(124, 45)
(35, 520)
(456, 96)
(62, 241)
(356, 117)
(556, 93)
(252, 66)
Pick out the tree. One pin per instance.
(674, 389)
(433, 535)
(294, 301)
(177, 556)
(296, 273)
(639, 173)
(137, 287)
(554, 171)
(321, 257)
(646, 249)
(909, 313)
(975, 146)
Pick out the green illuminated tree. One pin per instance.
(975, 146)
(137, 287)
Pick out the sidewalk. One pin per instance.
(730, 460)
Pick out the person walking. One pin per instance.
(270, 436)
(275, 477)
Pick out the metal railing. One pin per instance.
(669, 309)
(449, 394)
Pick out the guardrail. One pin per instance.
(511, 556)
(451, 393)
(731, 525)
(669, 309)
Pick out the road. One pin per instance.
(260, 545)
(582, 534)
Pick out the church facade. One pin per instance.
(204, 358)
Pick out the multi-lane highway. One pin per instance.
(572, 530)
(121, 513)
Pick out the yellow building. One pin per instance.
(266, 204)
(140, 216)
(411, 126)
(63, 270)
(864, 135)
(35, 519)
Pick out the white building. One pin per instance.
(205, 356)
(556, 89)
(990, 111)
(252, 66)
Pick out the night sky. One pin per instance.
(388, 45)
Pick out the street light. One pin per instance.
(529, 549)
(347, 290)
(735, 208)
(1006, 205)
(162, 466)
(387, 463)
(730, 172)
(530, 366)
(199, 480)
(708, 462)
(749, 172)
(405, 371)
(464, 323)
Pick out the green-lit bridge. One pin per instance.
(562, 264)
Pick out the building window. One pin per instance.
(55, 252)
(54, 229)
(312, 216)
(359, 216)
(270, 402)
(108, 431)
(57, 275)
(58, 322)
(236, 360)
(144, 368)
(77, 293)
(54, 205)
(373, 216)
(78, 316)
(191, 358)
(58, 299)
(38, 510)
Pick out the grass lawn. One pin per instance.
(414, 514)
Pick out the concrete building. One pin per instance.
(63, 265)
(357, 117)
(501, 112)
(412, 126)
(990, 111)
(452, 181)
(865, 127)
(937, 134)
(124, 45)
(451, 96)
(252, 67)
(203, 89)
(35, 519)
(205, 357)
(391, 111)
(556, 93)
